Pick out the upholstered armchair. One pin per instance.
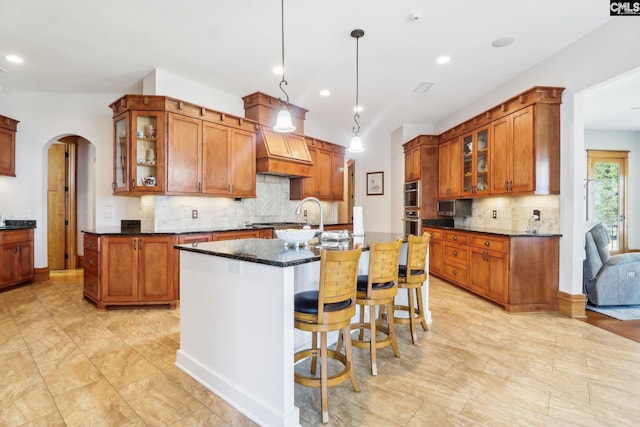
(609, 279)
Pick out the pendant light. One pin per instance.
(356, 142)
(283, 121)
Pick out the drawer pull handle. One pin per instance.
(455, 272)
(486, 243)
(90, 285)
(90, 262)
(455, 237)
(455, 253)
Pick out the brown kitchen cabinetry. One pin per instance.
(421, 164)
(261, 233)
(327, 180)
(8, 129)
(435, 252)
(166, 146)
(412, 161)
(516, 271)
(475, 162)
(450, 168)
(523, 154)
(16, 257)
(138, 152)
(130, 270)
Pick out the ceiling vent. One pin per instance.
(423, 87)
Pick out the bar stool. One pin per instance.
(412, 276)
(330, 308)
(378, 290)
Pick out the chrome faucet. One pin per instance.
(299, 209)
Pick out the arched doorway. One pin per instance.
(70, 199)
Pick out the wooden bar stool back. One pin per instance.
(412, 276)
(330, 308)
(377, 290)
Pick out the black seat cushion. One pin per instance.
(307, 302)
(363, 281)
(402, 271)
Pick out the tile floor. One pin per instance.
(64, 363)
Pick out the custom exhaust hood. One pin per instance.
(284, 154)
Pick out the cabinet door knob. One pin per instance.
(486, 243)
(455, 272)
(90, 285)
(455, 237)
(90, 262)
(455, 253)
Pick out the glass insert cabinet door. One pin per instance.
(475, 162)
(138, 152)
(121, 154)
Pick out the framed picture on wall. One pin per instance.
(375, 183)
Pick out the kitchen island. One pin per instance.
(237, 336)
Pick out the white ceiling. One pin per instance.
(108, 46)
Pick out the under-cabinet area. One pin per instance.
(516, 270)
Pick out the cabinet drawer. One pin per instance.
(91, 285)
(490, 243)
(15, 236)
(456, 253)
(435, 234)
(91, 261)
(456, 237)
(92, 242)
(456, 273)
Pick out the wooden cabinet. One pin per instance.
(435, 251)
(130, 270)
(421, 163)
(327, 180)
(489, 266)
(261, 233)
(526, 151)
(138, 152)
(475, 162)
(8, 129)
(450, 168)
(16, 257)
(518, 272)
(412, 161)
(167, 146)
(523, 154)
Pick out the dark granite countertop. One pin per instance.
(495, 231)
(273, 251)
(18, 224)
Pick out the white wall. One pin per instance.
(624, 141)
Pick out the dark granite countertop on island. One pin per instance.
(273, 251)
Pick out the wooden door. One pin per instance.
(497, 286)
(242, 166)
(56, 206)
(337, 177)
(479, 271)
(121, 154)
(435, 256)
(216, 159)
(7, 263)
(155, 268)
(119, 269)
(7, 152)
(322, 166)
(184, 154)
(455, 160)
(500, 155)
(444, 170)
(522, 151)
(24, 270)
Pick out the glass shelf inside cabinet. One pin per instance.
(146, 150)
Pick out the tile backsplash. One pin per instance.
(513, 213)
(272, 204)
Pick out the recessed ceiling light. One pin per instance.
(278, 70)
(502, 41)
(325, 92)
(443, 59)
(423, 87)
(15, 59)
